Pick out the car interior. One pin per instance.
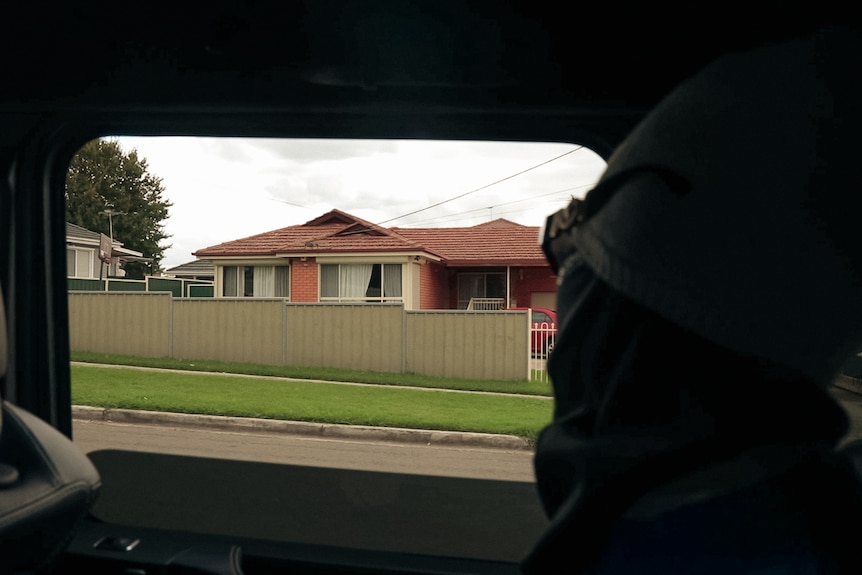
(378, 69)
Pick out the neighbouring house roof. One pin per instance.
(498, 243)
(196, 269)
(80, 236)
(75, 232)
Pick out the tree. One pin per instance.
(102, 176)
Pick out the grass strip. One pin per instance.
(542, 388)
(232, 395)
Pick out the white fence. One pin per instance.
(543, 337)
(486, 304)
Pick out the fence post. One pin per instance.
(530, 345)
(403, 339)
(284, 332)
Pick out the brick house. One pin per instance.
(338, 257)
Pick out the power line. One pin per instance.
(288, 203)
(529, 199)
(480, 188)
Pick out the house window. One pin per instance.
(79, 262)
(256, 281)
(480, 285)
(360, 282)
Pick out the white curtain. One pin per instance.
(329, 280)
(282, 281)
(392, 280)
(84, 266)
(229, 282)
(354, 280)
(264, 281)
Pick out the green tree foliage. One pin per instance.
(103, 176)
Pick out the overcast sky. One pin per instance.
(226, 189)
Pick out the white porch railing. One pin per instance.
(486, 304)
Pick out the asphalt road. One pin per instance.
(277, 447)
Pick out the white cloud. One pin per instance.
(225, 189)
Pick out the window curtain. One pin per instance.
(264, 281)
(70, 263)
(84, 264)
(282, 281)
(392, 280)
(328, 280)
(354, 279)
(229, 282)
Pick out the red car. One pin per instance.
(543, 332)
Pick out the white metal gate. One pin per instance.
(543, 337)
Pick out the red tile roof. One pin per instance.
(499, 242)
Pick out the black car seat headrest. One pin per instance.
(47, 484)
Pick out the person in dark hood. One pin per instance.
(710, 290)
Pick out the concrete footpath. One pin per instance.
(317, 430)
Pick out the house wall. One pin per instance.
(304, 281)
(434, 290)
(412, 284)
(218, 280)
(524, 282)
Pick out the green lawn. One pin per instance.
(391, 406)
(323, 373)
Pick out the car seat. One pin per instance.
(47, 485)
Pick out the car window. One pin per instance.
(314, 261)
(541, 317)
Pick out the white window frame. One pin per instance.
(81, 255)
(355, 271)
(261, 280)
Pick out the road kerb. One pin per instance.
(320, 430)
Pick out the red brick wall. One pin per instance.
(526, 281)
(433, 286)
(303, 281)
